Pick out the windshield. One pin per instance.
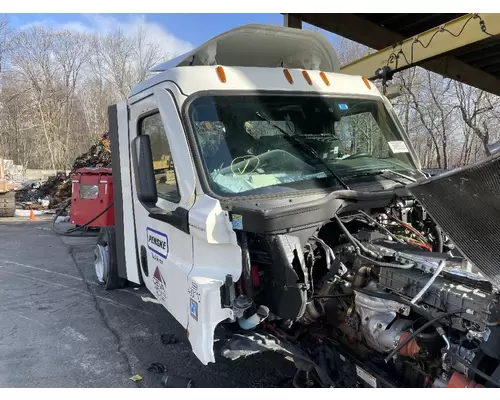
(251, 145)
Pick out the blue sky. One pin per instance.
(180, 30)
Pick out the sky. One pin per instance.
(177, 33)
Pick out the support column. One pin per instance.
(293, 21)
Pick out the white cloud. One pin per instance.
(102, 24)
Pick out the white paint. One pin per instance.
(201, 78)
(209, 222)
(30, 319)
(176, 267)
(209, 315)
(278, 45)
(127, 216)
(177, 141)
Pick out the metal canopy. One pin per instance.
(472, 58)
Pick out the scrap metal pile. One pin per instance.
(58, 188)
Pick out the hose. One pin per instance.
(73, 230)
(409, 227)
(422, 328)
(247, 267)
(382, 227)
(385, 264)
(332, 296)
(439, 238)
(358, 246)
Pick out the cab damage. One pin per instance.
(302, 222)
(383, 294)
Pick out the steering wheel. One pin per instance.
(359, 155)
(248, 159)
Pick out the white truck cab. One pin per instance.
(254, 136)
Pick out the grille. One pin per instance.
(466, 204)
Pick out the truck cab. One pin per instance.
(227, 160)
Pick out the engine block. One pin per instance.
(480, 307)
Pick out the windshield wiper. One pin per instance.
(306, 147)
(381, 172)
(399, 174)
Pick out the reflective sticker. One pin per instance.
(193, 292)
(160, 286)
(343, 107)
(237, 221)
(193, 309)
(398, 146)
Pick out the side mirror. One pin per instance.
(142, 163)
(494, 147)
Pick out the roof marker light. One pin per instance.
(221, 74)
(307, 77)
(288, 76)
(367, 83)
(325, 78)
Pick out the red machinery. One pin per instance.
(92, 194)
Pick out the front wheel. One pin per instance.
(105, 262)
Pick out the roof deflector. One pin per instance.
(262, 46)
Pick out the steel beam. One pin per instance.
(427, 45)
(377, 37)
(292, 21)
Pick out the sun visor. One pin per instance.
(465, 203)
(262, 46)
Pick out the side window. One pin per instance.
(163, 165)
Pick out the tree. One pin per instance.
(57, 87)
(480, 113)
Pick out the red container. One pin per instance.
(92, 192)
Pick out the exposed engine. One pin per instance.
(378, 297)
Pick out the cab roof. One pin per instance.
(192, 80)
(255, 45)
(258, 45)
(258, 58)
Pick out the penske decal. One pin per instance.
(157, 242)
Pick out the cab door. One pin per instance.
(163, 191)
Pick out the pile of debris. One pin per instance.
(58, 188)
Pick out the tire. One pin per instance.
(105, 261)
(8, 204)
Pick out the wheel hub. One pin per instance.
(101, 261)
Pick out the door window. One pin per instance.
(163, 165)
